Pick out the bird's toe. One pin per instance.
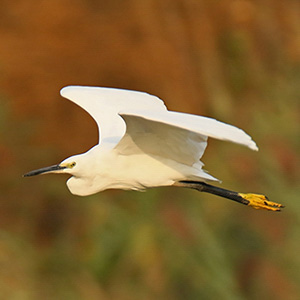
(261, 202)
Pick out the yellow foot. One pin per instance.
(261, 202)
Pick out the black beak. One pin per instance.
(44, 170)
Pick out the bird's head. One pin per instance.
(79, 166)
(70, 165)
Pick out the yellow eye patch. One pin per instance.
(72, 165)
(69, 165)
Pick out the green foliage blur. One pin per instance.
(234, 60)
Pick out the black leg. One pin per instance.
(254, 200)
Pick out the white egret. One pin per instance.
(143, 145)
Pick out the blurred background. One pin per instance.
(234, 60)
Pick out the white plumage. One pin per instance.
(142, 145)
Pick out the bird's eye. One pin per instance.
(73, 164)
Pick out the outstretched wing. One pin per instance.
(149, 127)
(177, 136)
(161, 139)
(104, 105)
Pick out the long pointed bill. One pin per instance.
(51, 169)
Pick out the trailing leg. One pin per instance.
(254, 200)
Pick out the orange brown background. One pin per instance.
(234, 60)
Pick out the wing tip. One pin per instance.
(63, 90)
(252, 145)
(66, 89)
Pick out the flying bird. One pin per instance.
(144, 145)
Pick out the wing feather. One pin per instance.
(161, 139)
(104, 105)
(197, 124)
(177, 136)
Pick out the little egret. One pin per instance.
(143, 145)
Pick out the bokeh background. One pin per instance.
(234, 60)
